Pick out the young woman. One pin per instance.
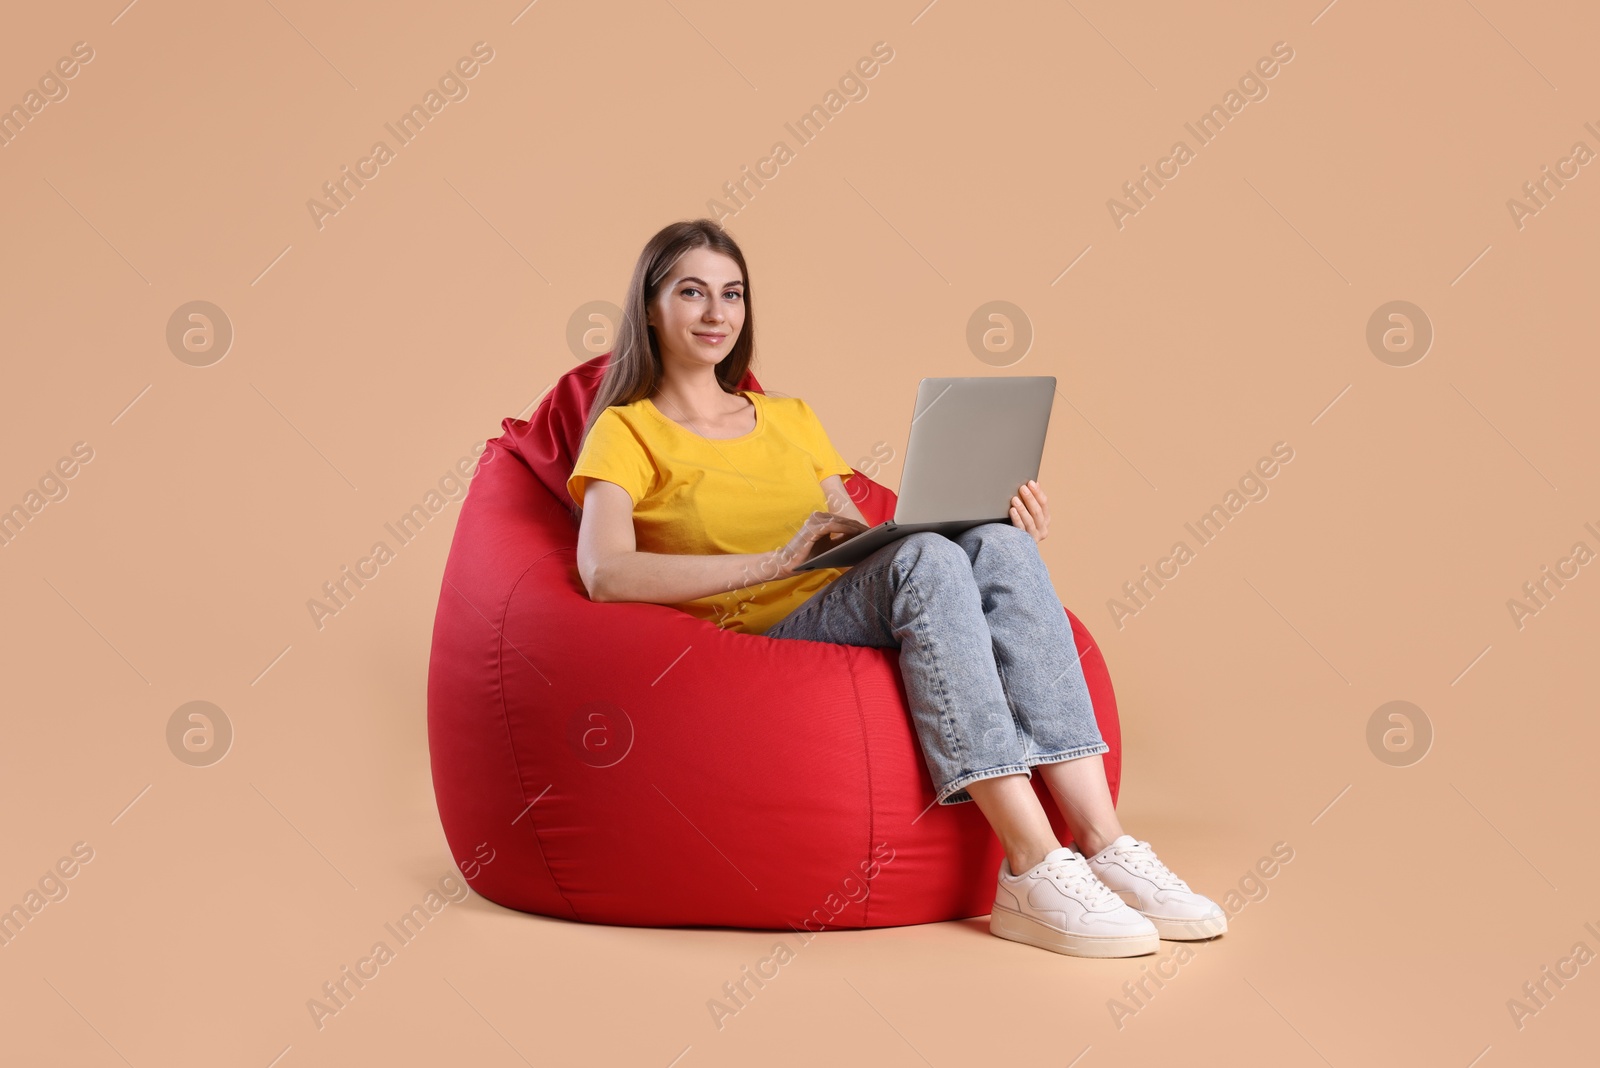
(704, 497)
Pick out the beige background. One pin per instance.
(371, 355)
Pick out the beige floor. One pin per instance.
(372, 347)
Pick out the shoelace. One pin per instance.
(1143, 860)
(1074, 876)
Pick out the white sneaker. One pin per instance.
(1130, 868)
(1059, 905)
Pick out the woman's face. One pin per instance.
(698, 309)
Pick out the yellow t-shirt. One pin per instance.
(695, 495)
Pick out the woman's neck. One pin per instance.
(695, 395)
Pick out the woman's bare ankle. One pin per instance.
(1025, 857)
(1013, 810)
(1090, 842)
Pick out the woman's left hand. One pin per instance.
(1030, 510)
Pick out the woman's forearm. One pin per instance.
(665, 578)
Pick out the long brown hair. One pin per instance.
(634, 369)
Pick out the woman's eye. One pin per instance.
(689, 289)
(732, 294)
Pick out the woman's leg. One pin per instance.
(919, 594)
(1084, 797)
(1037, 660)
(1019, 821)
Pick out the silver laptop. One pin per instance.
(974, 442)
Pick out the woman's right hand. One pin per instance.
(821, 532)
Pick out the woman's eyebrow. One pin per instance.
(702, 281)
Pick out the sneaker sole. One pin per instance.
(1007, 923)
(1188, 930)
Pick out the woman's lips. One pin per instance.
(712, 339)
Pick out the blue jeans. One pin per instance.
(987, 656)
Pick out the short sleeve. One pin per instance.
(825, 457)
(612, 452)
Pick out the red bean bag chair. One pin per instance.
(627, 763)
